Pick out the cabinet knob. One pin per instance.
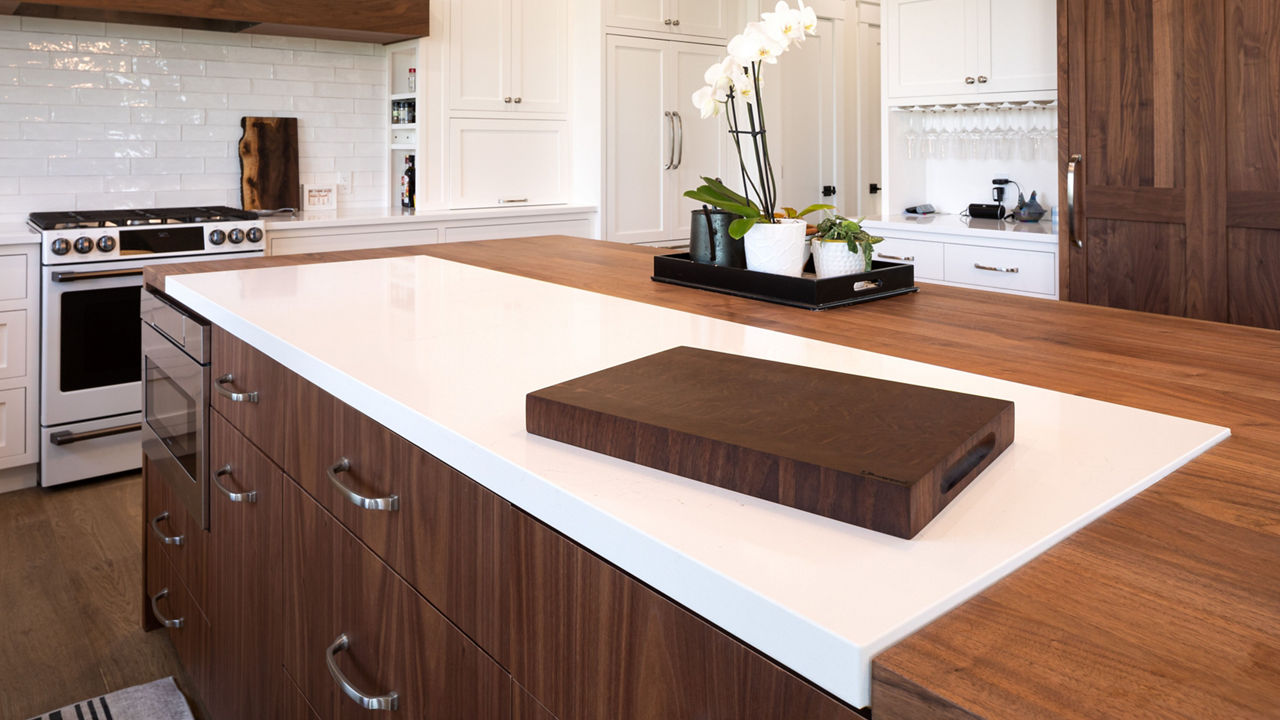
(519, 100)
(506, 100)
(982, 78)
(970, 80)
(676, 22)
(667, 21)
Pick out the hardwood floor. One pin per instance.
(70, 574)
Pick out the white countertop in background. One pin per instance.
(16, 233)
(821, 597)
(1042, 231)
(399, 216)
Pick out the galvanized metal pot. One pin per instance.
(709, 240)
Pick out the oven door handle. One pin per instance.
(66, 437)
(72, 276)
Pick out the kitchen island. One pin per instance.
(944, 326)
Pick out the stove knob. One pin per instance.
(84, 245)
(255, 235)
(106, 243)
(217, 237)
(61, 246)
(236, 236)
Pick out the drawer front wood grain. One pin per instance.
(190, 558)
(266, 419)
(447, 536)
(1002, 268)
(168, 599)
(926, 256)
(591, 642)
(397, 642)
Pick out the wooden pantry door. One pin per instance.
(1140, 85)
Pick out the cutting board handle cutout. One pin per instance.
(966, 464)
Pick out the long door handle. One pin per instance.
(155, 610)
(1072, 165)
(249, 397)
(671, 141)
(390, 701)
(66, 437)
(389, 503)
(72, 276)
(679, 142)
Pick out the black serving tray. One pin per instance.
(809, 292)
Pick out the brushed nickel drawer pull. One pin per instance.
(508, 201)
(908, 258)
(166, 539)
(249, 397)
(996, 269)
(391, 502)
(390, 701)
(244, 497)
(155, 610)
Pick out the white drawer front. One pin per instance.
(13, 277)
(13, 422)
(577, 228)
(345, 239)
(508, 163)
(926, 256)
(1019, 270)
(13, 344)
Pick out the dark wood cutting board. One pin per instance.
(878, 454)
(269, 163)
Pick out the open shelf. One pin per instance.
(404, 96)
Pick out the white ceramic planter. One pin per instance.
(777, 247)
(833, 259)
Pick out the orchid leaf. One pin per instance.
(732, 207)
(722, 189)
(738, 228)
(810, 209)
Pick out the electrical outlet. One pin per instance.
(344, 181)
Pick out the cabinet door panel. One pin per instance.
(591, 642)
(498, 163)
(13, 422)
(702, 146)
(637, 14)
(13, 344)
(190, 558)
(1016, 44)
(932, 47)
(480, 76)
(244, 562)
(267, 420)
(1137, 266)
(447, 536)
(168, 600)
(640, 141)
(397, 642)
(540, 55)
(710, 18)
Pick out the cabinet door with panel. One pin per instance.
(497, 163)
(540, 56)
(358, 638)
(1016, 42)
(590, 642)
(931, 47)
(707, 18)
(639, 137)
(702, 146)
(637, 14)
(244, 562)
(480, 53)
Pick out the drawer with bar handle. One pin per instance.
(253, 392)
(1025, 271)
(169, 603)
(358, 638)
(178, 537)
(927, 257)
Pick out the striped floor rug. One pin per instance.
(159, 700)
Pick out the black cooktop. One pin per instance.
(126, 218)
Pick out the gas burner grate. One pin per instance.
(84, 219)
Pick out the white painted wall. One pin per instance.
(98, 115)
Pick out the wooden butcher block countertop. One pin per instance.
(1168, 606)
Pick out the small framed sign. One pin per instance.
(319, 197)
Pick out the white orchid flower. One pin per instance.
(706, 101)
(744, 49)
(787, 21)
(742, 87)
(768, 41)
(718, 76)
(808, 19)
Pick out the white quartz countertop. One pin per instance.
(391, 338)
(16, 233)
(393, 216)
(1042, 231)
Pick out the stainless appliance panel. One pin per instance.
(175, 391)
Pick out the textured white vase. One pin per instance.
(833, 259)
(776, 247)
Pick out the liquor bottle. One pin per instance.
(413, 79)
(407, 185)
(395, 113)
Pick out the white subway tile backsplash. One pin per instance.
(88, 114)
(116, 149)
(102, 115)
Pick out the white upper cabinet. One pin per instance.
(955, 49)
(700, 18)
(509, 56)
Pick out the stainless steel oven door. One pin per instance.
(175, 390)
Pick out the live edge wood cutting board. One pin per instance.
(878, 454)
(269, 163)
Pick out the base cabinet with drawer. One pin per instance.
(1025, 265)
(349, 572)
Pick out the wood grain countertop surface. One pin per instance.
(1168, 606)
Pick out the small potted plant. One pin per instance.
(842, 247)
